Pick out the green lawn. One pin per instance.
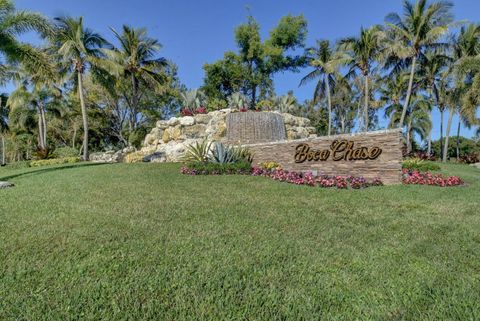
(143, 242)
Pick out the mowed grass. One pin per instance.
(143, 242)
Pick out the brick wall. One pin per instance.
(371, 154)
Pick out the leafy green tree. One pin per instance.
(325, 62)
(252, 68)
(419, 29)
(361, 54)
(79, 48)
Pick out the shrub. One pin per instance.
(43, 153)
(135, 157)
(270, 165)
(418, 178)
(54, 161)
(63, 152)
(471, 158)
(420, 165)
(202, 168)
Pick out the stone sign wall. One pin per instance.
(371, 155)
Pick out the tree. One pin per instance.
(136, 61)
(419, 29)
(14, 23)
(417, 119)
(252, 68)
(325, 62)
(79, 48)
(432, 73)
(361, 53)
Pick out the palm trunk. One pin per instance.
(442, 110)
(447, 134)
(365, 107)
(458, 139)
(409, 92)
(409, 138)
(40, 129)
(133, 112)
(44, 121)
(84, 117)
(429, 143)
(329, 102)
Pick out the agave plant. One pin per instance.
(222, 154)
(198, 152)
(238, 101)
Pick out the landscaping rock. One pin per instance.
(168, 140)
(187, 121)
(6, 185)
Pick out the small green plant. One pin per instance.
(229, 154)
(270, 166)
(420, 165)
(54, 161)
(198, 152)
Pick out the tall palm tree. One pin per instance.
(432, 75)
(420, 28)
(14, 23)
(417, 119)
(79, 48)
(361, 53)
(325, 62)
(136, 61)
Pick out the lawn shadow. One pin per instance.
(50, 169)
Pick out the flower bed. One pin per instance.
(297, 178)
(427, 178)
(309, 179)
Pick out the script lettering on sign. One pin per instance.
(339, 150)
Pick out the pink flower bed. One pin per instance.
(427, 178)
(309, 179)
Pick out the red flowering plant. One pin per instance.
(427, 178)
(191, 112)
(298, 178)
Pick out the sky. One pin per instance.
(196, 32)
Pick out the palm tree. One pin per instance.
(420, 28)
(325, 62)
(3, 122)
(136, 61)
(79, 48)
(417, 119)
(17, 22)
(361, 53)
(432, 74)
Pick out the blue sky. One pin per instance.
(196, 32)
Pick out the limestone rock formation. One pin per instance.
(169, 139)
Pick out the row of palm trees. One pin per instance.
(43, 74)
(411, 63)
(408, 65)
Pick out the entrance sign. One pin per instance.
(370, 154)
